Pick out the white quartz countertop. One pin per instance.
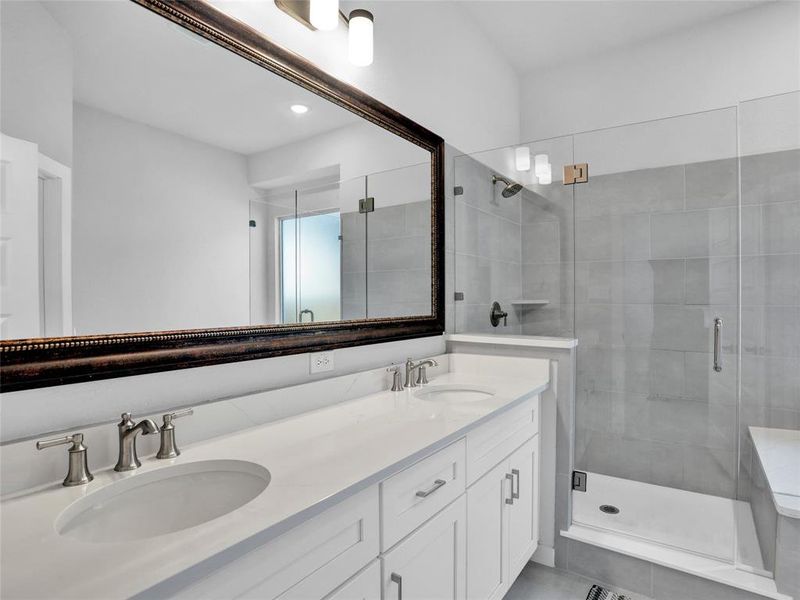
(315, 460)
(531, 341)
(779, 453)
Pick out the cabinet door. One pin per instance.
(523, 514)
(431, 562)
(366, 585)
(487, 535)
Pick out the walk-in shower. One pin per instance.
(685, 222)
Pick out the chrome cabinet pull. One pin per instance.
(717, 344)
(510, 477)
(436, 485)
(399, 581)
(515, 474)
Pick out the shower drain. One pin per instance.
(609, 509)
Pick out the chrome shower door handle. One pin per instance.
(399, 581)
(717, 344)
(515, 476)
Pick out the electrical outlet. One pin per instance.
(321, 361)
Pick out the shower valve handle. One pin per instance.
(497, 314)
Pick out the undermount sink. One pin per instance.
(163, 501)
(454, 392)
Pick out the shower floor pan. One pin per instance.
(707, 536)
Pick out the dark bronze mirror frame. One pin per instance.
(41, 362)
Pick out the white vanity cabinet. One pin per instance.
(365, 585)
(317, 556)
(431, 562)
(503, 519)
(459, 523)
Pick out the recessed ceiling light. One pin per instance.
(299, 109)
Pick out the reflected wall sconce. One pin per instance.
(542, 169)
(324, 15)
(522, 158)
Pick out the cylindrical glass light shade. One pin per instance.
(522, 158)
(360, 49)
(542, 169)
(324, 14)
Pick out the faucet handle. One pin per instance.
(78, 473)
(169, 417)
(168, 448)
(76, 439)
(397, 383)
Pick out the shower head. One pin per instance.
(511, 188)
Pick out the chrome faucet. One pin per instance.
(128, 430)
(411, 366)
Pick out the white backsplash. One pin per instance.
(285, 389)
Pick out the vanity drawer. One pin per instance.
(330, 548)
(414, 495)
(493, 441)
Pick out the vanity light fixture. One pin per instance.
(324, 15)
(542, 169)
(299, 109)
(522, 158)
(360, 38)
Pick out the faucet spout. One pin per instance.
(128, 430)
(146, 426)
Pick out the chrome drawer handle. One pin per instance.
(436, 485)
(515, 495)
(399, 581)
(510, 477)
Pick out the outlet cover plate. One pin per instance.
(319, 362)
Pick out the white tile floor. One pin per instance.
(537, 582)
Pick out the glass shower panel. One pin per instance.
(515, 245)
(398, 231)
(267, 211)
(769, 139)
(656, 279)
(354, 249)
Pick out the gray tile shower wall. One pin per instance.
(488, 249)
(548, 243)
(386, 261)
(656, 260)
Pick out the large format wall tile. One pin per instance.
(645, 191)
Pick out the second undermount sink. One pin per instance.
(455, 393)
(163, 501)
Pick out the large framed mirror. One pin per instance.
(179, 191)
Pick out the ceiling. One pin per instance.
(536, 34)
(135, 64)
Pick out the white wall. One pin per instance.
(35, 79)
(352, 151)
(160, 235)
(746, 55)
(431, 63)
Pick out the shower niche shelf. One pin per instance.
(530, 303)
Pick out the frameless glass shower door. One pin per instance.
(657, 250)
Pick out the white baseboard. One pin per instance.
(544, 555)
